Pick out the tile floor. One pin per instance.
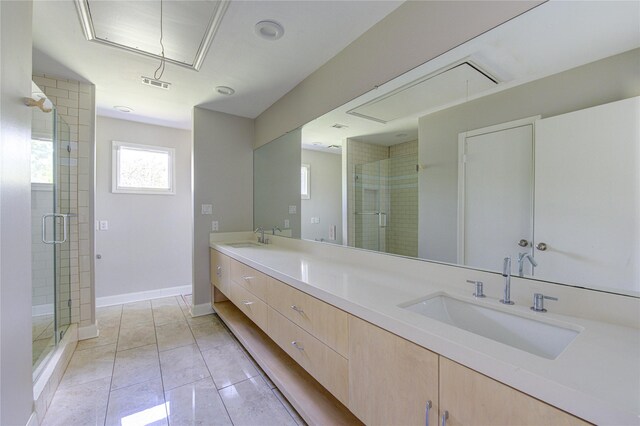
(155, 365)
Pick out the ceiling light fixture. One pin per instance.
(225, 90)
(401, 135)
(123, 108)
(269, 30)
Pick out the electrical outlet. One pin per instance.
(207, 209)
(286, 223)
(214, 226)
(332, 233)
(104, 225)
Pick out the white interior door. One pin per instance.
(587, 192)
(496, 194)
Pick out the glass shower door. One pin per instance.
(371, 205)
(50, 203)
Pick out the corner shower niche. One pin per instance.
(50, 231)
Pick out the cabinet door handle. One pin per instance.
(247, 278)
(219, 271)
(427, 410)
(297, 309)
(247, 303)
(445, 416)
(297, 345)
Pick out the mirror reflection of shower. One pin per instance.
(384, 211)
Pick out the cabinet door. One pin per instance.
(390, 379)
(219, 264)
(473, 399)
(587, 192)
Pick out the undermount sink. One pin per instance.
(244, 244)
(536, 337)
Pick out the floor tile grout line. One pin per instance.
(113, 367)
(155, 331)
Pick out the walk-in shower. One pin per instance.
(386, 205)
(50, 232)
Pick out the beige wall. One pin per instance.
(16, 391)
(222, 164)
(414, 33)
(593, 84)
(148, 244)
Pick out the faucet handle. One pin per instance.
(479, 288)
(538, 302)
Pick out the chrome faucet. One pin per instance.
(275, 228)
(521, 259)
(506, 273)
(261, 238)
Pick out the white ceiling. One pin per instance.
(553, 37)
(260, 71)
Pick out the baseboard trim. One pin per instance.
(88, 332)
(201, 309)
(119, 299)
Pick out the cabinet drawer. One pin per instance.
(250, 305)
(325, 365)
(249, 278)
(327, 323)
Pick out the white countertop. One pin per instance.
(596, 378)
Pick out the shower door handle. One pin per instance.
(64, 228)
(382, 220)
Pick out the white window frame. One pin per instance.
(307, 195)
(115, 169)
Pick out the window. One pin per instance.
(306, 181)
(41, 161)
(142, 169)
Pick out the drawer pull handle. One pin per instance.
(427, 410)
(247, 302)
(297, 309)
(445, 416)
(247, 278)
(297, 345)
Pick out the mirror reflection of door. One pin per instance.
(496, 195)
(588, 195)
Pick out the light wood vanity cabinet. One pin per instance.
(382, 378)
(252, 280)
(219, 276)
(327, 323)
(390, 379)
(472, 398)
(324, 364)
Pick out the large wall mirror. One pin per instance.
(523, 142)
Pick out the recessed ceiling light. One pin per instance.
(401, 135)
(122, 108)
(224, 90)
(339, 126)
(269, 30)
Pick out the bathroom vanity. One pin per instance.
(351, 320)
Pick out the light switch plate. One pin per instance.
(292, 209)
(207, 209)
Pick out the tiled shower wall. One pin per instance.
(75, 103)
(358, 153)
(402, 233)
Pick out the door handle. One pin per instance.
(64, 228)
(523, 243)
(541, 246)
